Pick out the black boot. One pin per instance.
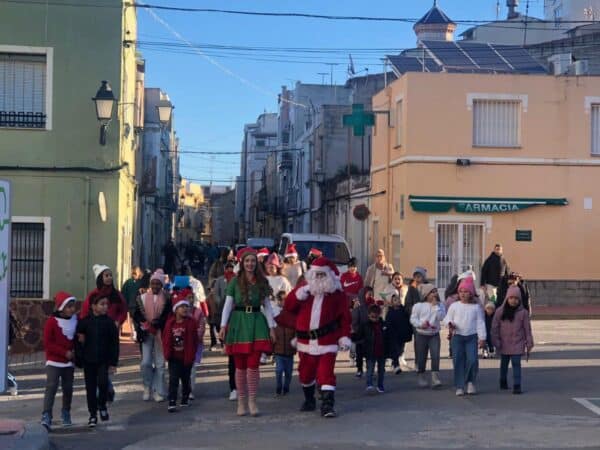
(327, 404)
(503, 384)
(517, 389)
(310, 404)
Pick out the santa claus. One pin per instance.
(322, 321)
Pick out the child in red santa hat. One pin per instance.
(322, 329)
(59, 333)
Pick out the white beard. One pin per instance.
(321, 286)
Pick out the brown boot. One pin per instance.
(253, 378)
(242, 392)
(254, 412)
(241, 406)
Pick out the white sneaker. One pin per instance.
(486, 354)
(471, 389)
(146, 396)
(233, 396)
(422, 381)
(435, 380)
(158, 398)
(460, 392)
(263, 359)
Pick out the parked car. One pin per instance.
(334, 247)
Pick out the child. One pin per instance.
(196, 313)
(490, 309)
(425, 318)
(467, 327)
(372, 334)
(511, 334)
(59, 332)
(398, 330)
(283, 350)
(360, 316)
(180, 341)
(98, 336)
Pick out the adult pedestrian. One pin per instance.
(515, 279)
(246, 329)
(494, 269)
(379, 274)
(217, 268)
(130, 291)
(277, 282)
(293, 268)
(171, 257)
(216, 303)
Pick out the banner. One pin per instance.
(4, 279)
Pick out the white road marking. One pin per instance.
(586, 403)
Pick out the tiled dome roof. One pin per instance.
(435, 16)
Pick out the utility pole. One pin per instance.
(323, 75)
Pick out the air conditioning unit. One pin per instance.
(582, 67)
(559, 64)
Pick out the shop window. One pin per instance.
(496, 123)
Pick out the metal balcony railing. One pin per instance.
(15, 119)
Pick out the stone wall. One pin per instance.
(32, 314)
(564, 293)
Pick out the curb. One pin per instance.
(34, 437)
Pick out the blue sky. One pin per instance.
(213, 106)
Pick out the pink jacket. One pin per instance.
(512, 338)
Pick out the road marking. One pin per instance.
(586, 403)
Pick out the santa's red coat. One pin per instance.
(313, 312)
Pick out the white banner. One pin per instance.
(4, 279)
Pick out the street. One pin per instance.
(563, 367)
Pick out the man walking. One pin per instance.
(379, 274)
(494, 269)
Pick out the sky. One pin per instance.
(214, 99)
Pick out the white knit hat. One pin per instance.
(98, 269)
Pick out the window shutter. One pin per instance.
(496, 123)
(595, 129)
(22, 83)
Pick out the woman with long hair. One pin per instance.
(246, 330)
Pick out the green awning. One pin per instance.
(478, 205)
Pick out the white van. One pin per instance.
(334, 247)
(260, 242)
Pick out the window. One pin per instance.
(496, 123)
(396, 249)
(595, 110)
(29, 259)
(399, 120)
(23, 90)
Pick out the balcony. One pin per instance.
(13, 119)
(286, 161)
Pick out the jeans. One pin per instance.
(53, 374)
(515, 360)
(179, 372)
(464, 359)
(153, 364)
(360, 356)
(396, 353)
(96, 381)
(427, 345)
(231, 372)
(284, 365)
(214, 331)
(380, 371)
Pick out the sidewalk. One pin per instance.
(566, 312)
(16, 434)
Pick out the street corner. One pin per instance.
(18, 435)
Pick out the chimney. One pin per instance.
(512, 9)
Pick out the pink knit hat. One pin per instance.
(513, 291)
(274, 260)
(467, 284)
(159, 276)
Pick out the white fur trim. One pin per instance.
(58, 364)
(64, 303)
(315, 312)
(313, 348)
(302, 293)
(312, 383)
(179, 303)
(327, 387)
(294, 342)
(67, 326)
(289, 255)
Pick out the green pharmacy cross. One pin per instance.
(359, 119)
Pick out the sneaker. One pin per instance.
(213, 348)
(192, 396)
(422, 380)
(92, 421)
(486, 354)
(517, 389)
(359, 374)
(471, 390)
(233, 396)
(158, 398)
(185, 403)
(380, 389)
(46, 422)
(286, 391)
(172, 408)
(263, 359)
(66, 418)
(278, 392)
(397, 370)
(460, 392)
(110, 396)
(370, 390)
(503, 385)
(104, 415)
(435, 380)
(146, 395)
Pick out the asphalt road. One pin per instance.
(563, 367)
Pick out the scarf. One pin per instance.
(153, 310)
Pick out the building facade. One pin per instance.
(222, 207)
(508, 159)
(193, 213)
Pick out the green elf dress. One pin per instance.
(248, 326)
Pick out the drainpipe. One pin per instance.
(88, 188)
(389, 181)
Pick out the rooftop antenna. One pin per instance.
(323, 75)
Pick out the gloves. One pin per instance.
(303, 293)
(344, 344)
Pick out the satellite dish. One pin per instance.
(102, 206)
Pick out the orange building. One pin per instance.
(468, 160)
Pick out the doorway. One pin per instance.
(459, 247)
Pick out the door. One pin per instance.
(459, 248)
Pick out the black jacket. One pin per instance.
(101, 341)
(397, 327)
(526, 299)
(494, 269)
(412, 298)
(367, 337)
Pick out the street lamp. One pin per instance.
(104, 101)
(164, 108)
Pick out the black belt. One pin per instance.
(319, 332)
(247, 309)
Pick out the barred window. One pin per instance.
(27, 260)
(496, 123)
(22, 90)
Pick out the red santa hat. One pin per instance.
(291, 251)
(243, 252)
(180, 297)
(263, 252)
(323, 264)
(62, 299)
(315, 252)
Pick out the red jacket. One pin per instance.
(351, 284)
(190, 340)
(316, 312)
(117, 311)
(58, 340)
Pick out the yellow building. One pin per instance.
(468, 160)
(193, 213)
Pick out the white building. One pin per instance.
(571, 10)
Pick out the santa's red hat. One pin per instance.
(243, 251)
(180, 297)
(315, 252)
(62, 299)
(263, 252)
(323, 264)
(291, 251)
